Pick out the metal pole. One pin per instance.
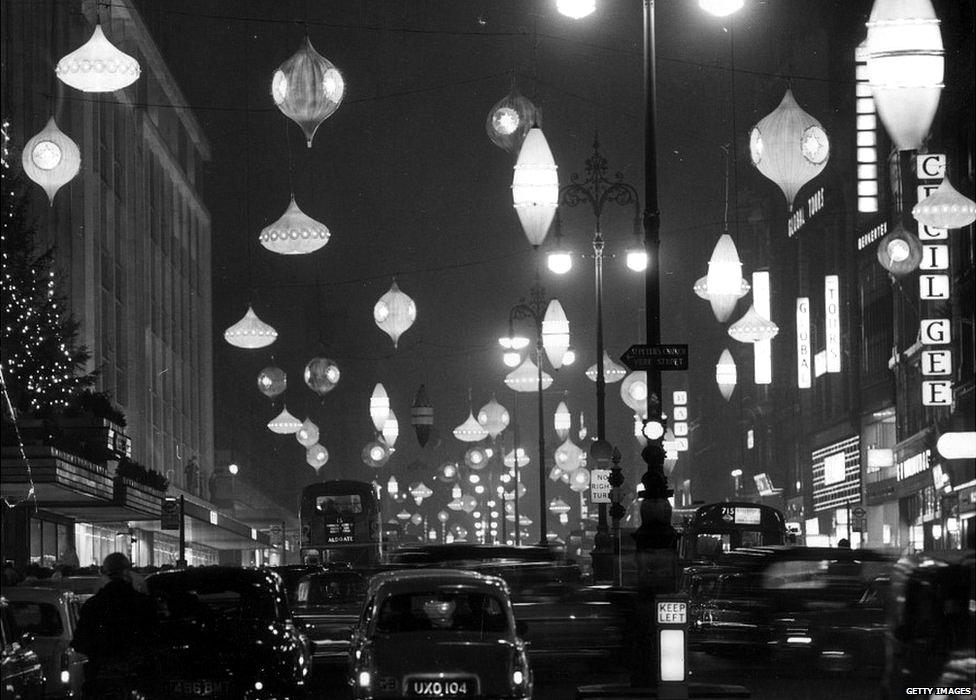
(601, 382)
(543, 534)
(515, 452)
(182, 560)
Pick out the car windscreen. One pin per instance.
(37, 617)
(215, 601)
(331, 589)
(442, 611)
(840, 579)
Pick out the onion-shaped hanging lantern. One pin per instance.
(612, 371)
(316, 456)
(535, 187)
(391, 430)
(51, 159)
(724, 279)
(476, 458)
(494, 417)
(945, 208)
(725, 374)
(555, 333)
(422, 416)
(308, 434)
(97, 66)
(525, 378)
(375, 454)
(250, 332)
(379, 407)
(295, 233)
(899, 251)
(523, 458)
(579, 480)
(510, 120)
(308, 89)
(634, 391)
(284, 423)
(470, 430)
(558, 506)
(568, 456)
(789, 147)
(394, 313)
(321, 375)
(562, 420)
(905, 67)
(753, 328)
(272, 381)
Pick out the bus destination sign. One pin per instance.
(340, 531)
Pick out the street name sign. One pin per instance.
(671, 356)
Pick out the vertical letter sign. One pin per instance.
(832, 312)
(803, 342)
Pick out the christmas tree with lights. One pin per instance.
(43, 366)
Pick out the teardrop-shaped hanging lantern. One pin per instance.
(612, 371)
(284, 423)
(250, 332)
(422, 416)
(535, 187)
(51, 159)
(272, 381)
(634, 391)
(510, 120)
(470, 430)
(789, 147)
(568, 456)
(307, 89)
(579, 480)
(725, 374)
(562, 420)
(475, 458)
(724, 279)
(525, 378)
(321, 375)
(582, 427)
(753, 328)
(555, 333)
(391, 430)
(295, 233)
(97, 66)
(494, 417)
(379, 407)
(316, 455)
(394, 313)
(722, 301)
(945, 208)
(899, 251)
(375, 454)
(308, 434)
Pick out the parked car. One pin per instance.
(21, 673)
(327, 604)
(50, 615)
(438, 633)
(227, 632)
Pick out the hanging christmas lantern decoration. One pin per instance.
(375, 454)
(725, 374)
(579, 480)
(612, 371)
(753, 328)
(379, 407)
(51, 159)
(510, 120)
(391, 430)
(558, 506)
(308, 434)
(403, 515)
(555, 474)
(470, 430)
(525, 378)
(634, 392)
(535, 187)
(419, 492)
(422, 416)
(905, 67)
(448, 471)
(250, 332)
(899, 251)
(789, 147)
(307, 89)
(568, 456)
(321, 375)
(295, 233)
(394, 313)
(582, 427)
(945, 208)
(97, 66)
(284, 423)
(468, 503)
(724, 280)
(475, 458)
(555, 333)
(416, 518)
(272, 381)
(523, 458)
(316, 456)
(494, 418)
(722, 301)
(562, 420)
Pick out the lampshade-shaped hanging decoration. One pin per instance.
(475, 458)
(612, 371)
(394, 313)
(470, 430)
(403, 515)
(51, 159)
(724, 279)
(579, 480)
(308, 434)
(97, 66)
(558, 506)
(905, 66)
(568, 456)
(525, 378)
(523, 458)
(375, 454)
(945, 208)
(562, 420)
(510, 120)
(753, 328)
(789, 147)
(422, 416)
(379, 407)
(272, 381)
(723, 301)
(899, 251)
(555, 333)
(391, 430)
(420, 491)
(316, 456)
(321, 375)
(307, 89)
(725, 374)
(535, 187)
(295, 233)
(284, 423)
(250, 332)
(634, 392)
(494, 417)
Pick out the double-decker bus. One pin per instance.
(713, 529)
(340, 522)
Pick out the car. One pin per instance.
(291, 574)
(21, 672)
(226, 632)
(327, 605)
(50, 615)
(438, 633)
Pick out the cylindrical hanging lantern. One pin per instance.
(97, 66)
(391, 430)
(250, 332)
(316, 456)
(568, 456)
(321, 375)
(394, 313)
(899, 251)
(379, 407)
(525, 378)
(272, 381)
(51, 159)
(753, 328)
(633, 391)
(307, 89)
(724, 278)
(308, 434)
(295, 233)
(612, 371)
(725, 374)
(494, 417)
(422, 416)
(510, 120)
(470, 430)
(535, 187)
(375, 454)
(579, 480)
(284, 423)
(555, 333)
(945, 208)
(562, 420)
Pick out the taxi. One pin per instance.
(438, 633)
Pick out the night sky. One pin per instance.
(404, 176)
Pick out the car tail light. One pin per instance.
(364, 679)
(520, 671)
(65, 668)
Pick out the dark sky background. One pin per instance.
(404, 176)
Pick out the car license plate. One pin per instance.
(442, 687)
(199, 688)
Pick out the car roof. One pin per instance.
(37, 593)
(748, 556)
(203, 574)
(404, 581)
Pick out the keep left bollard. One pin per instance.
(672, 645)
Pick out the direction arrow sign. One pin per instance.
(658, 357)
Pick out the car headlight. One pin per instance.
(364, 679)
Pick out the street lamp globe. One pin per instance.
(569, 357)
(559, 261)
(511, 358)
(721, 8)
(576, 9)
(233, 469)
(637, 259)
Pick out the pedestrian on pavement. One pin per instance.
(117, 630)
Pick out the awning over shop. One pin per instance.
(211, 528)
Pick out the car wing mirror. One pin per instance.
(521, 627)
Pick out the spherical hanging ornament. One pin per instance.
(724, 279)
(535, 187)
(525, 378)
(284, 423)
(470, 430)
(97, 66)
(568, 456)
(307, 89)
(555, 333)
(899, 251)
(272, 381)
(725, 374)
(612, 371)
(321, 375)
(562, 420)
(379, 407)
(422, 416)
(468, 503)
(789, 147)
(579, 480)
(391, 430)
(308, 434)
(494, 417)
(51, 159)
(250, 332)
(475, 458)
(510, 120)
(316, 456)
(633, 392)
(394, 313)
(375, 454)
(295, 233)
(945, 208)
(753, 328)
